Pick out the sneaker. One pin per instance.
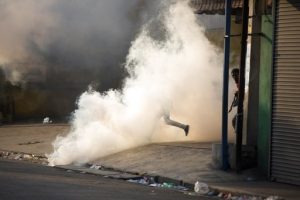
(186, 130)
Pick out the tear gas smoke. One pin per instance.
(54, 49)
(172, 66)
(59, 35)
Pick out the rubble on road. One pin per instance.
(24, 156)
(274, 198)
(200, 188)
(150, 181)
(230, 196)
(47, 120)
(95, 167)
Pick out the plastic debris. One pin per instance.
(191, 193)
(150, 181)
(144, 181)
(180, 187)
(140, 181)
(212, 193)
(228, 196)
(274, 198)
(26, 156)
(231, 196)
(167, 185)
(96, 167)
(155, 185)
(201, 188)
(220, 194)
(19, 156)
(47, 120)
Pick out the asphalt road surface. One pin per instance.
(27, 181)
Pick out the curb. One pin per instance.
(161, 179)
(115, 173)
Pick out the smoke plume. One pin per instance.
(55, 49)
(171, 66)
(51, 37)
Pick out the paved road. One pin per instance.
(27, 181)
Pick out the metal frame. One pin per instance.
(241, 89)
(225, 153)
(274, 14)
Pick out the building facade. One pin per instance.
(278, 138)
(273, 119)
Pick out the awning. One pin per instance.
(215, 6)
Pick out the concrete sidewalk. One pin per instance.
(31, 138)
(185, 161)
(191, 162)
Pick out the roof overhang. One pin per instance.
(212, 7)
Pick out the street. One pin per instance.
(27, 181)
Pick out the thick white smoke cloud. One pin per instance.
(179, 72)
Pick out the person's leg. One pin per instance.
(234, 119)
(177, 124)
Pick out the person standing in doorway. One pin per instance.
(235, 74)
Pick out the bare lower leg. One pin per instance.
(177, 124)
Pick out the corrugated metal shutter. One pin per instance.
(285, 144)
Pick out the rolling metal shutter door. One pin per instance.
(285, 138)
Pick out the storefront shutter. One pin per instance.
(285, 137)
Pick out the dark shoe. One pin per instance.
(186, 130)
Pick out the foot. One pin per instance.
(186, 130)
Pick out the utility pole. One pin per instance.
(240, 110)
(225, 163)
